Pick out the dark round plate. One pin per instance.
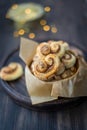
(17, 90)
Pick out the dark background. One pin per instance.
(70, 17)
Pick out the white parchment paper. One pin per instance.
(41, 91)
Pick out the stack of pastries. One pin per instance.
(53, 61)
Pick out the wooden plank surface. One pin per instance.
(71, 19)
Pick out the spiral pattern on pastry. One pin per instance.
(64, 44)
(46, 68)
(43, 49)
(11, 72)
(58, 47)
(53, 60)
(69, 59)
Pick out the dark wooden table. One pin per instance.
(70, 17)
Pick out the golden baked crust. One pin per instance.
(11, 72)
(44, 69)
(53, 60)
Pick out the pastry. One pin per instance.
(69, 59)
(58, 47)
(44, 69)
(51, 61)
(42, 50)
(11, 72)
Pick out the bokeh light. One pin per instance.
(43, 22)
(32, 35)
(21, 32)
(54, 29)
(47, 9)
(46, 28)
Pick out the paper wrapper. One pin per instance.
(41, 91)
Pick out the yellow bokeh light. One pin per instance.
(31, 35)
(27, 11)
(15, 34)
(21, 32)
(46, 28)
(43, 22)
(47, 8)
(14, 6)
(54, 29)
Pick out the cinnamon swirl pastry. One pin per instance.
(69, 59)
(44, 69)
(65, 44)
(53, 60)
(59, 47)
(43, 49)
(11, 72)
